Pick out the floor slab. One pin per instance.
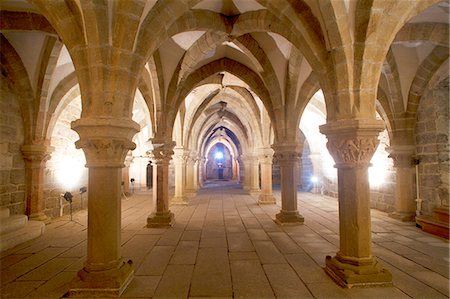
(225, 245)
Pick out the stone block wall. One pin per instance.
(432, 146)
(60, 179)
(382, 189)
(12, 165)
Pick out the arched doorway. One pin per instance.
(219, 164)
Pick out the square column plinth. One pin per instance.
(353, 273)
(106, 283)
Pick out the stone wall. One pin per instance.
(12, 165)
(65, 170)
(381, 179)
(432, 146)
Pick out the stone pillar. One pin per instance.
(405, 205)
(179, 160)
(191, 181)
(287, 156)
(254, 176)
(265, 160)
(195, 177)
(352, 144)
(162, 216)
(105, 142)
(126, 175)
(35, 156)
(246, 179)
(201, 170)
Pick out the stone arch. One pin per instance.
(435, 33)
(423, 75)
(227, 142)
(13, 70)
(224, 64)
(309, 88)
(63, 88)
(384, 109)
(212, 123)
(48, 66)
(66, 18)
(266, 21)
(248, 111)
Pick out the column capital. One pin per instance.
(36, 153)
(105, 141)
(352, 142)
(265, 155)
(162, 152)
(180, 154)
(402, 155)
(287, 152)
(128, 160)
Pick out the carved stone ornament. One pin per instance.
(36, 154)
(352, 142)
(266, 156)
(105, 141)
(287, 153)
(162, 153)
(356, 150)
(402, 156)
(102, 152)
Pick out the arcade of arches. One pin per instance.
(348, 99)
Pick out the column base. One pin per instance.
(191, 192)
(108, 283)
(253, 192)
(39, 217)
(403, 216)
(265, 199)
(354, 272)
(158, 219)
(178, 201)
(289, 218)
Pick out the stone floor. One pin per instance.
(226, 246)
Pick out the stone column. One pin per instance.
(201, 170)
(287, 156)
(126, 175)
(162, 216)
(195, 177)
(35, 156)
(405, 205)
(352, 144)
(179, 160)
(190, 176)
(246, 180)
(265, 160)
(105, 142)
(254, 176)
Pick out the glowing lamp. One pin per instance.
(218, 155)
(314, 179)
(69, 172)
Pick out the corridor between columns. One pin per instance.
(224, 244)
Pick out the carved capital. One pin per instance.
(162, 152)
(105, 152)
(180, 155)
(266, 155)
(36, 154)
(352, 143)
(402, 156)
(287, 153)
(105, 141)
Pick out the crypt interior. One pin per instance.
(224, 148)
